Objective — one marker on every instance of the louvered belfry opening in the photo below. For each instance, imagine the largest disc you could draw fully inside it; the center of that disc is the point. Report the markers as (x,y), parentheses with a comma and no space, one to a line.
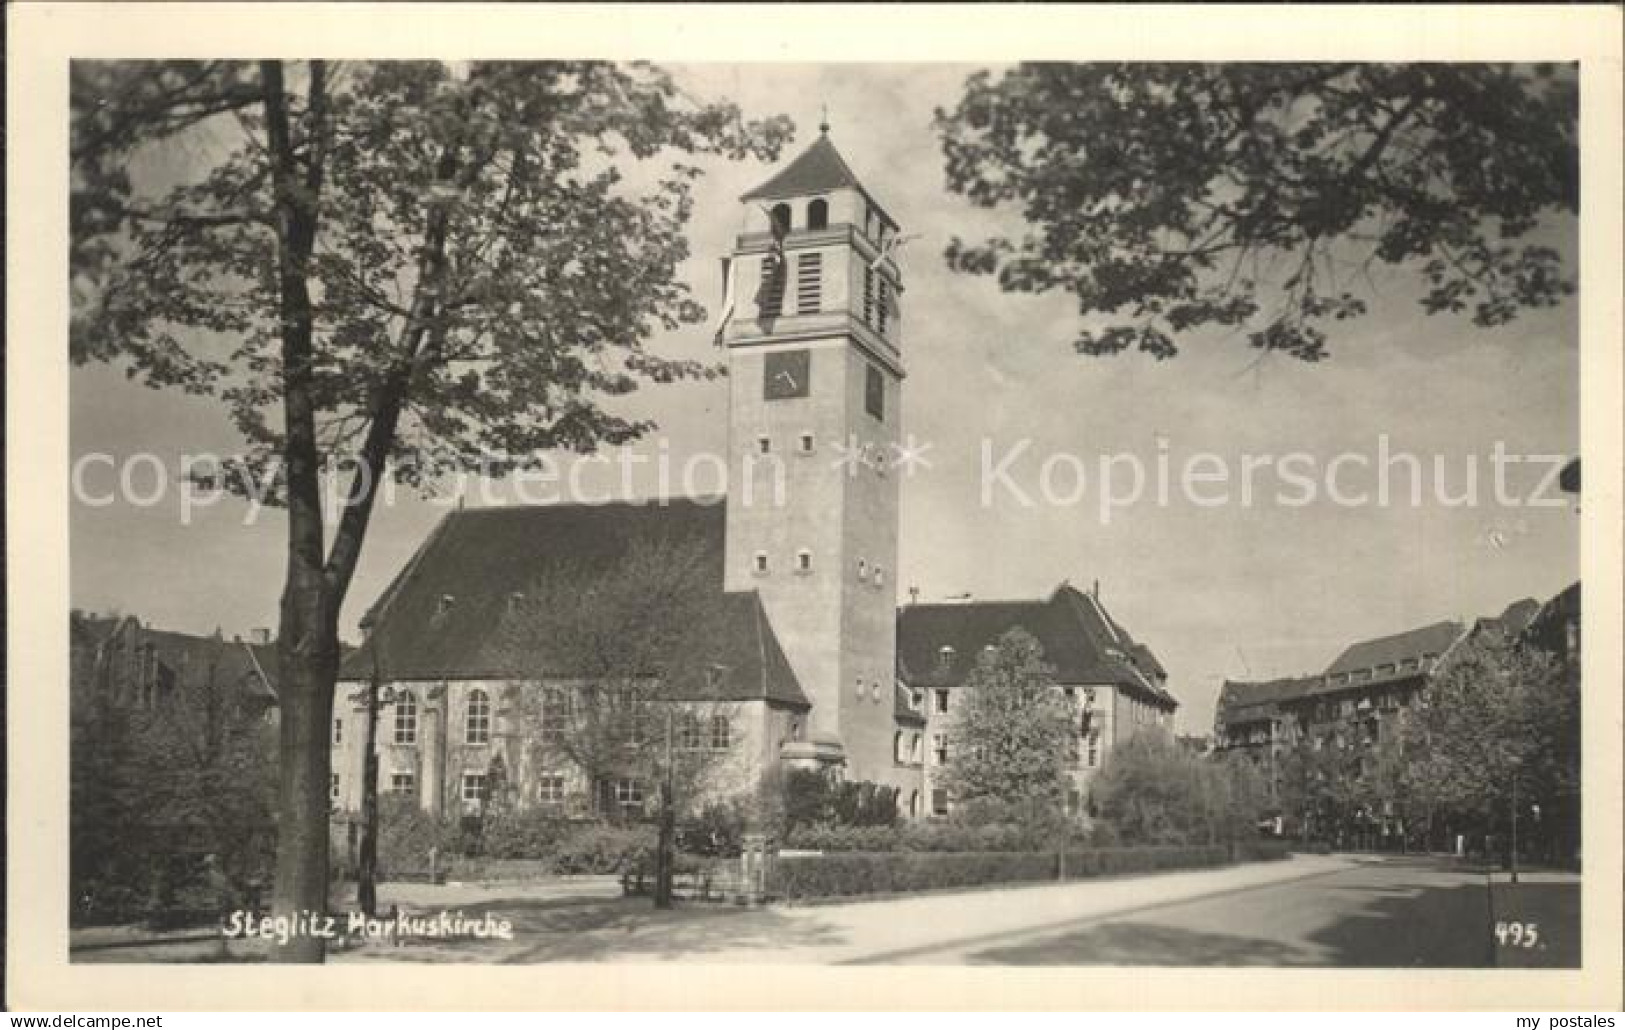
(809,283)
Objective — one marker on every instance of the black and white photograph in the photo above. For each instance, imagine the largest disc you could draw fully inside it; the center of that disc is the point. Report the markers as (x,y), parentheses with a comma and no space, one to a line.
(752,511)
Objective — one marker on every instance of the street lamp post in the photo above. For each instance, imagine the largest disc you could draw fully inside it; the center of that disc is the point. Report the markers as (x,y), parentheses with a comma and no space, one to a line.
(1514,863)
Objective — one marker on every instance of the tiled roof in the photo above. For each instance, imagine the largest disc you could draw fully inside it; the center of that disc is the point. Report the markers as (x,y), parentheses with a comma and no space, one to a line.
(818,168)
(478,559)
(205,661)
(1079,639)
(1510,623)
(1368,654)
(1248,701)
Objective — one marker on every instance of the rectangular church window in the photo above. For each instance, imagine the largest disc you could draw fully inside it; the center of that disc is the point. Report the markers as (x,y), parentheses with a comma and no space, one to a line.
(874,394)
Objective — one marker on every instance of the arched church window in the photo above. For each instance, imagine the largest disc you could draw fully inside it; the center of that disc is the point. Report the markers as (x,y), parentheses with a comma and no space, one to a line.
(818,214)
(477,726)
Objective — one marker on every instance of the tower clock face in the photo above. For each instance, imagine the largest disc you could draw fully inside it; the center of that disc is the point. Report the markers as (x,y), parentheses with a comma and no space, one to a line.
(786,374)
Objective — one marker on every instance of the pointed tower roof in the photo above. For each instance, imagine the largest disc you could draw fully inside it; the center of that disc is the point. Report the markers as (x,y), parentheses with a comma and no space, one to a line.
(819,168)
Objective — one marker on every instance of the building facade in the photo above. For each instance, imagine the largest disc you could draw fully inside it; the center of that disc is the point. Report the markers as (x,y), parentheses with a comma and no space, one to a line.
(1114,685)
(816,667)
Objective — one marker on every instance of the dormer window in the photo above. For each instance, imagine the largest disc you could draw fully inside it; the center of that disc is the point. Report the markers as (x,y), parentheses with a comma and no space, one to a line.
(445,604)
(818,214)
(945,655)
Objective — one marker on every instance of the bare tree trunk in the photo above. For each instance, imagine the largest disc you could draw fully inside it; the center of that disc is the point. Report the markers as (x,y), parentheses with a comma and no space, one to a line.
(307,644)
(302,837)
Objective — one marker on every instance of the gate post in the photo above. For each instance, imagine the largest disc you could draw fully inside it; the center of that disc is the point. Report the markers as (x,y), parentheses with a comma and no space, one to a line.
(756,856)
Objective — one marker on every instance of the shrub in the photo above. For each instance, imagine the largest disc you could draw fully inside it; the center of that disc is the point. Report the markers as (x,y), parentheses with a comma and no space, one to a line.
(603,849)
(522,833)
(866,873)
(1086,863)
(926,836)
(1263,850)
(716,831)
(849,873)
(406,834)
(814,798)
(844,838)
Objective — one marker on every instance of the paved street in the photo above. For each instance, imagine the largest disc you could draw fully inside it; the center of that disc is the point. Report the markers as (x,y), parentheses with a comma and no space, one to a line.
(1328,911)
(1390,912)
(1352,911)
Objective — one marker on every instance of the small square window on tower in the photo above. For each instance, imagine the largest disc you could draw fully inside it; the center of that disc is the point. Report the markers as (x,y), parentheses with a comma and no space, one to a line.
(803,561)
(806,443)
(863,570)
(761,563)
(764,445)
(879,576)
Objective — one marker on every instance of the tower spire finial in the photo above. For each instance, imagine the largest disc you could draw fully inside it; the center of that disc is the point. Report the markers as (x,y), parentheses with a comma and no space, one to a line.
(823,121)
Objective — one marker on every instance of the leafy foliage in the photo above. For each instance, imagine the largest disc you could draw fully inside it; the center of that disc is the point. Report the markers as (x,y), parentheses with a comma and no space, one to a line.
(478,251)
(171,806)
(818,799)
(397,267)
(716,831)
(1012,734)
(610,653)
(1153,791)
(1257,198)
(1500,713)
(407,835)
(852,873)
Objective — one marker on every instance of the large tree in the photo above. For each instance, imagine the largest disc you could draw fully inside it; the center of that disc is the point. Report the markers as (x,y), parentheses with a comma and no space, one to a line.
(1013,734)
(397,268)
(622,669)
(1498,727)
(1258,198)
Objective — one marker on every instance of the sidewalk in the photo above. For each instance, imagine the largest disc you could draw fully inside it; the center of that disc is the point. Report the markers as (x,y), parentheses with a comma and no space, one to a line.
(856,932)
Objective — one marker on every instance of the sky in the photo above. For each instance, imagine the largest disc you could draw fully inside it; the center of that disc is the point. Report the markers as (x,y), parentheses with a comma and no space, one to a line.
(1228,591)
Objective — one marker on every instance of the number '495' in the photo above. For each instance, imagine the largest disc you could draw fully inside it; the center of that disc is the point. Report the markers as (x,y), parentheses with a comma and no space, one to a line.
(1517,935)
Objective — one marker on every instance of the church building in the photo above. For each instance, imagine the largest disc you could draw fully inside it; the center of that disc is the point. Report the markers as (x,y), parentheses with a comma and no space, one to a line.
(817,667)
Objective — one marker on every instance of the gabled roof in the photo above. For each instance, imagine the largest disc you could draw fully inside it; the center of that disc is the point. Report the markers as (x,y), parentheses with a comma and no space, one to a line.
(204,661)
(817,169)
(1250,701)
(1367,654)
(1079,640)
(903,709)
(1510,623)
(439,618)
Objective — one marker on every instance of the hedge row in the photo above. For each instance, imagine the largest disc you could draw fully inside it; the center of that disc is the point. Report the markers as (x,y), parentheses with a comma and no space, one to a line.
(920,836)
(850,873)
(836,875)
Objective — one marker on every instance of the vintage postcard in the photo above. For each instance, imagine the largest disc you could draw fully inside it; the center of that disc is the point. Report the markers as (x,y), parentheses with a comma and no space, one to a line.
(509,503)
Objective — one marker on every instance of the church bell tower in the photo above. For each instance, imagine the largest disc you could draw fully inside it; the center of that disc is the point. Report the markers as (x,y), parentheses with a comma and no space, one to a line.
(815,412)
